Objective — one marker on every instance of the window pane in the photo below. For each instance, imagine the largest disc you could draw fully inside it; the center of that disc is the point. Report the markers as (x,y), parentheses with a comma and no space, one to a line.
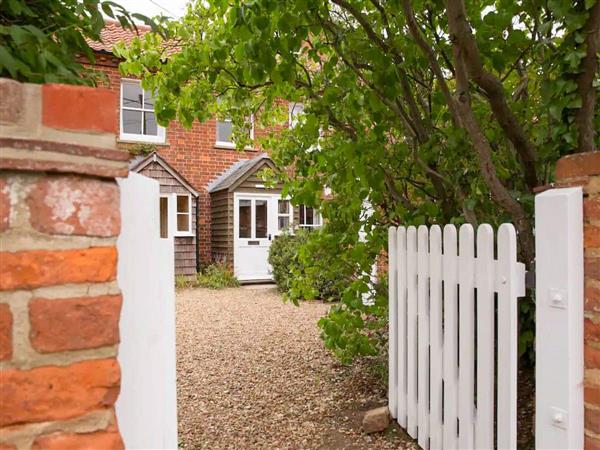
(132,95)
(295,110)
(284,206)
(132,122)
(164,217)
(245,218)
(284,222)
(261,219)
(224,131)
(183,204)
(302,215)
(183,222)
(150,127)
(310,216)
(148,100)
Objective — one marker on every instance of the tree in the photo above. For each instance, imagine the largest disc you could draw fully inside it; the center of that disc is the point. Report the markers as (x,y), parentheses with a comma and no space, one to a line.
(432,112)
(42,41)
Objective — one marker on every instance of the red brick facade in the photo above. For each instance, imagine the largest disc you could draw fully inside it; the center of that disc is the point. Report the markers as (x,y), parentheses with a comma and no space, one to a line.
(192,152)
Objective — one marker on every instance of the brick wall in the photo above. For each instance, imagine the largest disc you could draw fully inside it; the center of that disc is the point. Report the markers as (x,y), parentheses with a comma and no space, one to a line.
(59,300)
(583,169)
(191,152)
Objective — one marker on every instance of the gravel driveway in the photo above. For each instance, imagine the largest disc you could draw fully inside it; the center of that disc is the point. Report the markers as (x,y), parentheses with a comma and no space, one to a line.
(253,373)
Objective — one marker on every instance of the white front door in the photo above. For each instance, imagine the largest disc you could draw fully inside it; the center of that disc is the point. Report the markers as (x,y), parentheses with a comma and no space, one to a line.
(254,227)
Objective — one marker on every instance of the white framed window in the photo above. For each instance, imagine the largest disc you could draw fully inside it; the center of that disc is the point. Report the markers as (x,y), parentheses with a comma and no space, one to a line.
(138,120)
(295,109)
(225,132)
(309,217)
(285,214)
(176,215)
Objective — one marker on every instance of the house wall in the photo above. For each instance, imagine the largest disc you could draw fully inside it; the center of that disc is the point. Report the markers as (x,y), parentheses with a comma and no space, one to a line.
(222,226)
(191,152)
(185,247)
(60,302)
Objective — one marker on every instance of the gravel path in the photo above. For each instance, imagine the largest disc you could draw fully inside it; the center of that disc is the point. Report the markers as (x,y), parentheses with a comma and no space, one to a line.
(253,374)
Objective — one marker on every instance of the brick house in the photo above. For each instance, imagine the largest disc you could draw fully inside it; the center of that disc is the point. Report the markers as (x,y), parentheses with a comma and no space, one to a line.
(187,163)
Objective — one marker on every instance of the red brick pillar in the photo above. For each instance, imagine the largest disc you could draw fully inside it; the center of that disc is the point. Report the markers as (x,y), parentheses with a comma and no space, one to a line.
(583,169)
(59,299)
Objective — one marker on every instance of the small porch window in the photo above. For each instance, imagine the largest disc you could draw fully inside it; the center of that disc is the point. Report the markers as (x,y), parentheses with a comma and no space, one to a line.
(176,215)
(284,214)
(309,217)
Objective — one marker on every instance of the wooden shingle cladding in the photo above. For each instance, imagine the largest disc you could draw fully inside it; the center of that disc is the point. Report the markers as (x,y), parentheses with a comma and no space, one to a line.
(186,249)
(243,177)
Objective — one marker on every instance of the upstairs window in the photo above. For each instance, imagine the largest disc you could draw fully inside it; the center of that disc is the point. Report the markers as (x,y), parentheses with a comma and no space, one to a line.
(295,110)
(225,132)
(138,121)
(309,217)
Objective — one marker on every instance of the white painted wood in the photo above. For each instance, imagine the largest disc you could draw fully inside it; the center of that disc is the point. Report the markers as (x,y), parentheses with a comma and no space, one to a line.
(466,337)
(450,357)
(411,330)
(423,334)
(559,319)
(250,255)
(436,339)
(146,408)
(393,321)
(401,326)
(484,274)
(507,337)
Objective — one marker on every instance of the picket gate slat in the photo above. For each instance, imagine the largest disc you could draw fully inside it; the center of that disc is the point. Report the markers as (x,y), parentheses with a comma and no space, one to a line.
(423,334)
(411,328)
(436,338)
(484,427)
(507,337)
(466,337)
(401,325)
(393,324)
(450,357)
(443,318)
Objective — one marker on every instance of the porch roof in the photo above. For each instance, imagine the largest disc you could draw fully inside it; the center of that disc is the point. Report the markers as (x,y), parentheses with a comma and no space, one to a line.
(236,172)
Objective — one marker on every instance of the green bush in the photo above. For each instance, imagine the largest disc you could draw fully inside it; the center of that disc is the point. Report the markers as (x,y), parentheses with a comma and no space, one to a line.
(217,276)
(305,270)
(183,282)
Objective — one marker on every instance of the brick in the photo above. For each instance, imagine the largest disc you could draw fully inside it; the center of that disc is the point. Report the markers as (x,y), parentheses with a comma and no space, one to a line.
(7,447)
(11,106)
(6,322)
(58,393)
(591,330)
(591,357)
(78,108)
(74,205)
(578,165)
(592,420)
(64,166)
(75,323)
(592,298)
(591,443)
(4,205)
(591,208)
(28,269)
(101,440)
(591,267)
(591,236)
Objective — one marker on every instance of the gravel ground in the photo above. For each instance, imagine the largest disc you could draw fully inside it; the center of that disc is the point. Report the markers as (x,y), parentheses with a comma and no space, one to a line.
(253,374)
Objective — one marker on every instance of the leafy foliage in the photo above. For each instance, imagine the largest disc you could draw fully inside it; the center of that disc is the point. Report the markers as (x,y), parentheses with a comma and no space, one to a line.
(429,112)
(217,276)
(42,41)
(304,270)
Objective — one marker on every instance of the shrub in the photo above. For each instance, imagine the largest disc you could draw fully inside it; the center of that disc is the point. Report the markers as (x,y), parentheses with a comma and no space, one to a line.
(183,282)
(217,276)
(305,269)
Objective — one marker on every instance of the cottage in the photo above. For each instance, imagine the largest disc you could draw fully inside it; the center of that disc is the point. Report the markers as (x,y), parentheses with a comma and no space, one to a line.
(213,202)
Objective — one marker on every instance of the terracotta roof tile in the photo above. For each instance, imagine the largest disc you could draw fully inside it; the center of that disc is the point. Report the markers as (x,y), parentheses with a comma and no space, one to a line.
(112,33)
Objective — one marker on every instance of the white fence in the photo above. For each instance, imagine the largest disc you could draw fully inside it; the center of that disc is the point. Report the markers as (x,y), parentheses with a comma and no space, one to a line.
(445,298)
(147,407)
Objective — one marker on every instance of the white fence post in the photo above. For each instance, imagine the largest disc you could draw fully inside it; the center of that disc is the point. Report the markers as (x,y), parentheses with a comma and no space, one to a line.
(559,319)
(147,405)
(393,322)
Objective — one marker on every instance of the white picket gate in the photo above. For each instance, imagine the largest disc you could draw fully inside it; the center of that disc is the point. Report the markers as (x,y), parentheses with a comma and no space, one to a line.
(446,296)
